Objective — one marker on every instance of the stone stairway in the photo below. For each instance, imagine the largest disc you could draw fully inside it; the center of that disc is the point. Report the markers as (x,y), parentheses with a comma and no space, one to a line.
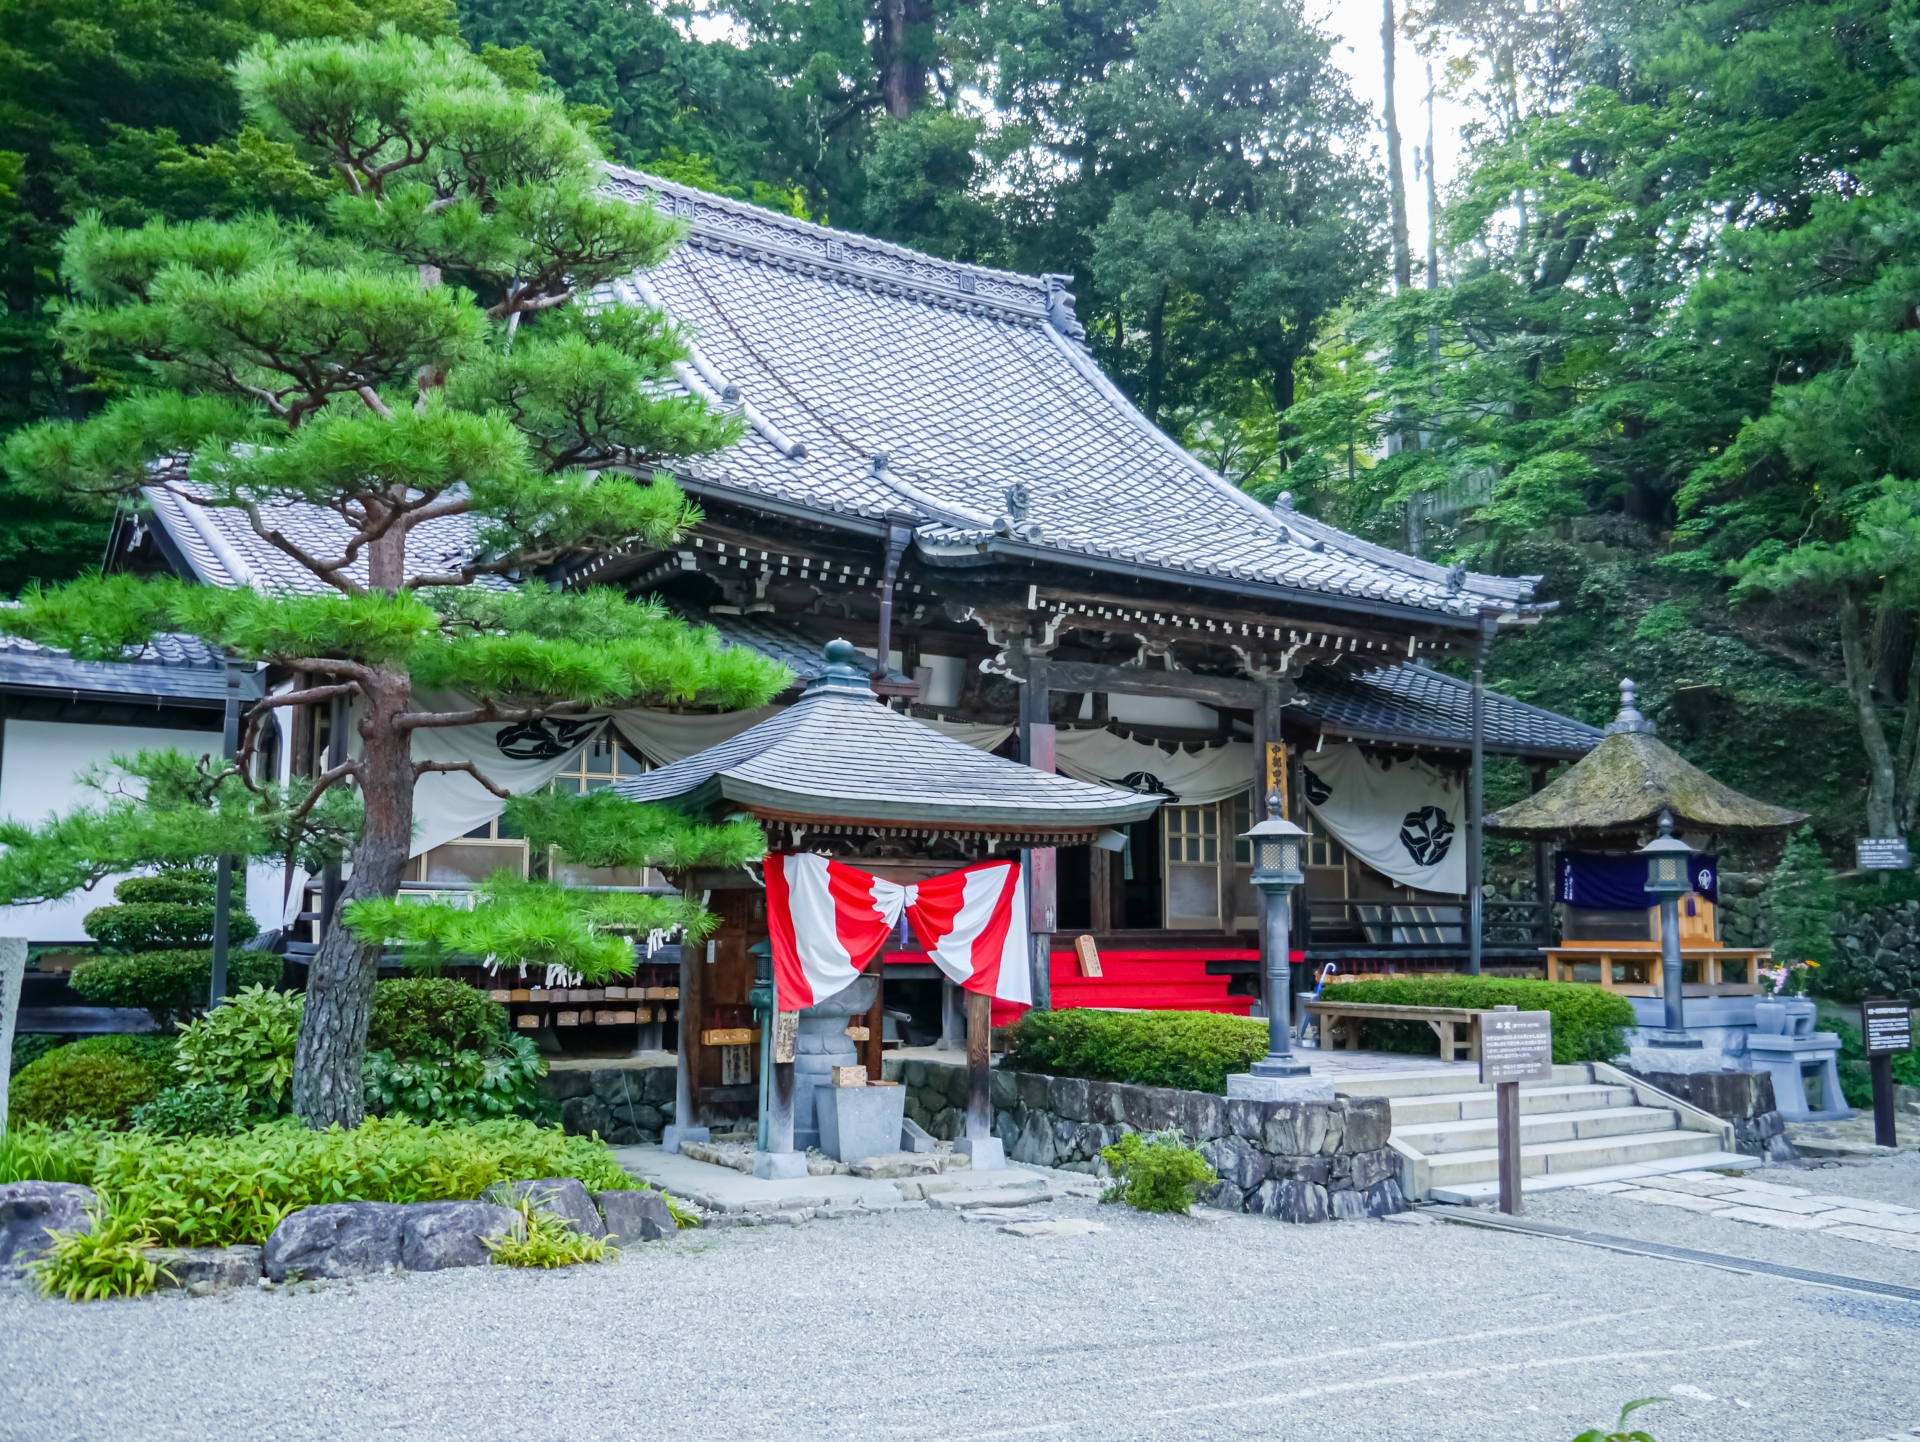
(1590,1123)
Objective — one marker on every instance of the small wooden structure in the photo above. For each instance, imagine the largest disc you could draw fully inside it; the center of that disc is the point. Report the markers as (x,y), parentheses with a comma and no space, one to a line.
(1457,1027)
(1611,800)
(840,773)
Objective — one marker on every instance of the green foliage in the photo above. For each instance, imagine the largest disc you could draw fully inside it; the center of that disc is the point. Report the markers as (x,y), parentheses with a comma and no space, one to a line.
(100,1080)
(1191,1050)
(104,1260)
(218,1191)
(1589,1024)
(413,1016)
(446,1085)
(34,1151)
(602,828)
(201,1109)
(1856,1074)
(1619,1432)
(171,985)
(1804,901)
(546,1240)
(29,1047)
(1156,1173)
(246,1046)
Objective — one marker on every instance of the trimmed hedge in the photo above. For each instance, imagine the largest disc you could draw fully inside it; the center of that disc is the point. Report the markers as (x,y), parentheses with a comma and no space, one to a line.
(1190,1050)
(169,984)
(99,1080)
(1589,1024)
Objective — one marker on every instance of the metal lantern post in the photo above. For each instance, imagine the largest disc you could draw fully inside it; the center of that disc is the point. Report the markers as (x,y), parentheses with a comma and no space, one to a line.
(1668,859)
(1276,871)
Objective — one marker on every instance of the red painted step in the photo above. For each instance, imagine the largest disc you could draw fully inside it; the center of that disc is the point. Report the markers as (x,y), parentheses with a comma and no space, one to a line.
(1142,980)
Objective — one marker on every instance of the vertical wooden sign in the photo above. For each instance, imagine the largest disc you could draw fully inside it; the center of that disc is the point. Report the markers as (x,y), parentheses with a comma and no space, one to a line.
(1276,777)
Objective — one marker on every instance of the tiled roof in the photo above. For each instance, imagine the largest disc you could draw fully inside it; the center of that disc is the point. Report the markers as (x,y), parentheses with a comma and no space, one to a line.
(838,754)
(877,380)
(800,653)
(172,667)
(1413,703)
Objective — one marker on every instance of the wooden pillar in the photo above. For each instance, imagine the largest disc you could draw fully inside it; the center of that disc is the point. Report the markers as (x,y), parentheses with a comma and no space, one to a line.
(876,1020)
(952,1021)
(1100,890)
(979,1045)
(1542,878)
(1036,750)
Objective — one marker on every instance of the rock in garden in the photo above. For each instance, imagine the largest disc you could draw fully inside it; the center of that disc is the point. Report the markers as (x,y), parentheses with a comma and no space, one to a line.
(1348,1205)
(1384,1199)
(336,1239)
(29,1210)
(562,1197)
(202,1270)
(437,1235)
(635,1216)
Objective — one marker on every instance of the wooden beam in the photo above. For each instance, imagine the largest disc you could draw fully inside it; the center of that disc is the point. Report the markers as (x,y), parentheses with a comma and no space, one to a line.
(1231,691)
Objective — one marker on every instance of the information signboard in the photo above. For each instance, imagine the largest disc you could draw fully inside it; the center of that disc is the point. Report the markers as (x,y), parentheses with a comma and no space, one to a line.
(1881,853)
(1887,1026)
(1516,1046)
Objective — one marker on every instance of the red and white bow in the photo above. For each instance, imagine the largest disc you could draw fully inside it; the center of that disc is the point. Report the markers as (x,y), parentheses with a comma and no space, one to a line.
(828,920)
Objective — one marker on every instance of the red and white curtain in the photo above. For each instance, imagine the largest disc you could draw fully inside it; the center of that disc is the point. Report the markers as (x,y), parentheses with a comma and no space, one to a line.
(828,920)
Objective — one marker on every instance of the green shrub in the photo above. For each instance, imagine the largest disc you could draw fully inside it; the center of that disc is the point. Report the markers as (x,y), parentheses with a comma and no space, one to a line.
(36,1152)
(1589,1024)
(97,1085)
(1192,1050)
(201,1110)
(419,1016)
(546,1240)
(30,1046)
(246,1046)
(217,1191)
(1856,1074)
(460,1086)
(106,1260)
(1155,1173)
(187,886)
(153,925)
(169,985)
(1803,898)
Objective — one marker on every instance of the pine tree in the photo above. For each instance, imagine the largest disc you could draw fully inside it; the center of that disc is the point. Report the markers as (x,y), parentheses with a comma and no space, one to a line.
(1803,899)
(429,352)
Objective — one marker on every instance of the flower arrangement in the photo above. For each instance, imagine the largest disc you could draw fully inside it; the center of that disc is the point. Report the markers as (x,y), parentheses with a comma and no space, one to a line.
(1785,979)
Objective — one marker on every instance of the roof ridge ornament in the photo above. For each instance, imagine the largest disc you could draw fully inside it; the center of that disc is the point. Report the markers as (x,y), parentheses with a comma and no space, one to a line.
(1630,721)
(843,673)
(1015,524)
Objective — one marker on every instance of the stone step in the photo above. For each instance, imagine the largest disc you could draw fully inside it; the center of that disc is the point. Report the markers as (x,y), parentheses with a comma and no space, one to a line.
(996,1197)
(1443,1138)
(1452,1169)
(1440,1082)
(1472,1193)
(1466,1106)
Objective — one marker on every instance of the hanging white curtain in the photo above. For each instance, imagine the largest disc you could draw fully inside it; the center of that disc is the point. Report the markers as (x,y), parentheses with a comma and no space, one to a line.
(970,733)
(1197,777)
(520,757)
(1403,818)
(663,737)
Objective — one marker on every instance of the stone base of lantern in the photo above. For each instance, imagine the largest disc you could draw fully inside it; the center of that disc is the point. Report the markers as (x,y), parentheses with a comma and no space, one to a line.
(779,1166)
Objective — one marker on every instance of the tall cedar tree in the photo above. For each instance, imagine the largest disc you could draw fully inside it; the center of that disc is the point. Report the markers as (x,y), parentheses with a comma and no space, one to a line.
(427,354)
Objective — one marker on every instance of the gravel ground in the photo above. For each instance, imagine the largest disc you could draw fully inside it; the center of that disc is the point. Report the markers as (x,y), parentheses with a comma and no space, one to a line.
(1894,1179)
(920,1325)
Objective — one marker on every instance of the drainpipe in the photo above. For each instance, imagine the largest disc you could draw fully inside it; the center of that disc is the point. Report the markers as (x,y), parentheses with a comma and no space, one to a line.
(899,536)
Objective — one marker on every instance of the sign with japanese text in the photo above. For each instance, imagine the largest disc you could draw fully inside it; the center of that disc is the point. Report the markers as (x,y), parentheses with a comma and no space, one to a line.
(1516,1046)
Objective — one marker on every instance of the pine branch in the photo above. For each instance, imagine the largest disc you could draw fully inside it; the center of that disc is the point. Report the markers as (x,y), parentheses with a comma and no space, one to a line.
(422,768)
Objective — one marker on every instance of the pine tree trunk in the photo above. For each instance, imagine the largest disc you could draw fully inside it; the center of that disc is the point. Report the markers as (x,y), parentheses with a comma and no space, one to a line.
(1909,768)
(1882,790)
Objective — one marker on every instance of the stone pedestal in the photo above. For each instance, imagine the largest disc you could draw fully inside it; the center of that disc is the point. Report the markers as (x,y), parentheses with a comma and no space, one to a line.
(823,1045)
(1787,1059)
(672,1136)
(1680,1061)
(987,1152)
(1243,1086)
(859,1122)
(779,1166)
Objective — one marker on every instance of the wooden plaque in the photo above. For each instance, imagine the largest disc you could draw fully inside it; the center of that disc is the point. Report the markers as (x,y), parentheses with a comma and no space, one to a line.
(786,1035)
(1088,954)
(727,1036)
(1516,1046)
(1276,777)
(1887,1026)
(849,1076)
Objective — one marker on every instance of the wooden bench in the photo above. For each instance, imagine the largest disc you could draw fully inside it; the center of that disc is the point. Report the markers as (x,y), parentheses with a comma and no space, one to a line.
(1330,1011)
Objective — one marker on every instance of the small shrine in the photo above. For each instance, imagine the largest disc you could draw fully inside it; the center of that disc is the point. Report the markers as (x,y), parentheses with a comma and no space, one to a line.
(1600,813)
(878,828)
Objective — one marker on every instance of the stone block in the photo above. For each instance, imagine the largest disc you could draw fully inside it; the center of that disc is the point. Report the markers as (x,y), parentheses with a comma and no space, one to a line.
(1035,1144)
(30,1210)
(1295,1129)
(1374,1167)
(1006,1128)
(658,1085)
(1064,1135)
(1152,1109)
(1347,1206)
(914,1074)
(584,1116)
(204,1270)
(1384,1199)
(1224,1195)
(1088,1139)
(1336,1122)
(1033,1088)
(638,1215)
(779,1166)
(1205,1116)
(1235,1160)
(336,1239)
(438,1235)
(1247,1118)
(955,1079)
(1067,1097)
(559,1086)
(914,1137)
(859,1122)
(1292,1201)
(562,1197)
(1104,1104)
(1244,1086)
(1002,1090)
(1369,1122)
(1300,1169)
(985,1153)
(948,1123)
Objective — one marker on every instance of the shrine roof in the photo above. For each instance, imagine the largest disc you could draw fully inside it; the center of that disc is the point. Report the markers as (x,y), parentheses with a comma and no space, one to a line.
(1410,702)
(171,669)
(839,755)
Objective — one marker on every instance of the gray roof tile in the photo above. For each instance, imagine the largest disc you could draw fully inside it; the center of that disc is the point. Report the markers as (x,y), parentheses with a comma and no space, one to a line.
(1414,703)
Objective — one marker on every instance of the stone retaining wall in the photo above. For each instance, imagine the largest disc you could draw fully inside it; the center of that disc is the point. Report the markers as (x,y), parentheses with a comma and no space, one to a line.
(624,1105)
(1300,1161)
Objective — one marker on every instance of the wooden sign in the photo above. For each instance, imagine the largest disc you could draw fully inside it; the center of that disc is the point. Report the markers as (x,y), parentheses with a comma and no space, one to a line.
(1887,1026)
(727,1036)
(1088,954)
(786,1035)
(1276,778)
(849,1076)
(1516,1046)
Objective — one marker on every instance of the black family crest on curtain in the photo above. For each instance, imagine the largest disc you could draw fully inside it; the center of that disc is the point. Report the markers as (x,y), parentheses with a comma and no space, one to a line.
(1317,790)
(1427,835)
(1143,783)
(542,740)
